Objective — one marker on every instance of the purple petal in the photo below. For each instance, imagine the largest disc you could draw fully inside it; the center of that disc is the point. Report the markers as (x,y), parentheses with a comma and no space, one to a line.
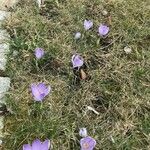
(39,53)
(36,145)
(45,145)
(77,35)
(87,143)
(88,24)
(77,61)
(103,30)
(36,93)
(43,89)
(40,91)
(27,147)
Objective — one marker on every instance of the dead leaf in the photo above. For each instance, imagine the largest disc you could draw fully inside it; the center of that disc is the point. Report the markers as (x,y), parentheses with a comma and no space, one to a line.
(83,74)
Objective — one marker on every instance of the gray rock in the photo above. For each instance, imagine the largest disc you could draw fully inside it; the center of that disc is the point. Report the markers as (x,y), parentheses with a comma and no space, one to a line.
(3,51)
(3,62)
(4,36)
(4,86)
(6,4)
(4,48)
(4,15)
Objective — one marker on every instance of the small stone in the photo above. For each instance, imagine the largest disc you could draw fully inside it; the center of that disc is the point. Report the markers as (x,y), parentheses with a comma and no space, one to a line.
(104,13)
(77,35)
(127,50)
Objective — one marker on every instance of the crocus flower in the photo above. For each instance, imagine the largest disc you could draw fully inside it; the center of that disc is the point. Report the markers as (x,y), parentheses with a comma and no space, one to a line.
(83,132)
(37,145)
(39,53)
(88,24)
(103,30)
(77,35)
(87,143)
(77,61)
(39,91)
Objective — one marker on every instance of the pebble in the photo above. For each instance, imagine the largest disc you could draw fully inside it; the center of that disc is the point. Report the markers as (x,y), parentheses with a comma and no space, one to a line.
(127,50)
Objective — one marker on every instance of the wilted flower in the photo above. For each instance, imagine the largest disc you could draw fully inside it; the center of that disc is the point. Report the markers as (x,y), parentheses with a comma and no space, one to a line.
(77,35)
(103,30)
(77,61)
(39,53)
(127,50)
(37,145)
(39,91)
(83,132)
(88,24)
(87,143)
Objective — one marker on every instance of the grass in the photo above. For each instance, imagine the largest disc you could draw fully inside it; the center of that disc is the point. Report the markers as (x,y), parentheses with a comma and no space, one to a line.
(118,84)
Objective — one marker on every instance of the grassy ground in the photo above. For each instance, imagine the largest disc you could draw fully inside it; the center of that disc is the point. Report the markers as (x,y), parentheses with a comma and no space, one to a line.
(118,84)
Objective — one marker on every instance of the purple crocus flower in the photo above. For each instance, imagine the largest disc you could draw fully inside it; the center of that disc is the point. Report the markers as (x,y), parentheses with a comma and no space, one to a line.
(103,30)
(37,145)
(88,24)
(39,53)
(39,91)
(87,143)
(77,35)
(77,61)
